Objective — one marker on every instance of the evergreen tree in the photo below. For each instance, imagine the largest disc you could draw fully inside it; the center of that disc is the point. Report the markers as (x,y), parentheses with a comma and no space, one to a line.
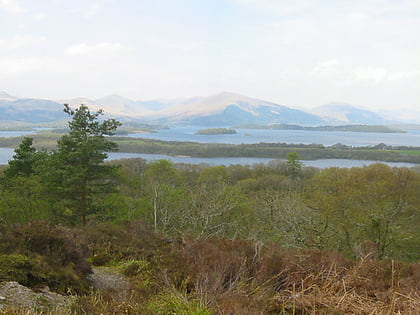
(23,161)
(80,174)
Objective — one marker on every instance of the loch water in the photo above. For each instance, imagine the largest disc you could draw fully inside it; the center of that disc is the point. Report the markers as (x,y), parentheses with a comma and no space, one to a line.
(187,133)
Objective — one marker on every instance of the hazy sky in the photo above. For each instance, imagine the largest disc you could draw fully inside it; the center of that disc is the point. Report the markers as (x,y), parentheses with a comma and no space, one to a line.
(295,52)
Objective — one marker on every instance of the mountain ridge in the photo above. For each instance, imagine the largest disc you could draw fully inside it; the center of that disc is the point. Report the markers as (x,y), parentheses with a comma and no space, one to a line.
(348,113)
(221,109)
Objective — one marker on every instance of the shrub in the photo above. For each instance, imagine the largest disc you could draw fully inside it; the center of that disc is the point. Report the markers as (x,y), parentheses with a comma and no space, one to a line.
(108,242)
(27,271)
(173,302)
(40,254)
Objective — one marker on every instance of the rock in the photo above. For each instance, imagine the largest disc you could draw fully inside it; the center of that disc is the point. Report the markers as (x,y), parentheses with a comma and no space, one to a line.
(16,295)
(106,278)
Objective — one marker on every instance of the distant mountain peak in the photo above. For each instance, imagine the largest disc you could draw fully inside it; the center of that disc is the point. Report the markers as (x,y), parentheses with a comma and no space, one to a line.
(229,94)
(339,105)
(227,108)
(347,113)
(114,98)
(225,95)
(221,109)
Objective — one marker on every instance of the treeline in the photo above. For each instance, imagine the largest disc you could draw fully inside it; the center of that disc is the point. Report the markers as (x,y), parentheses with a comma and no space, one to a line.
(354,211)
(379,152)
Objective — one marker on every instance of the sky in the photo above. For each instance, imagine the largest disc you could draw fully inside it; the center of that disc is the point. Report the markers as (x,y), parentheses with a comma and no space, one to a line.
(299,53)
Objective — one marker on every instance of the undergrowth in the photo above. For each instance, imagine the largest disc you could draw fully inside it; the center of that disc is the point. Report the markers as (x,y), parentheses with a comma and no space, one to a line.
(211,276)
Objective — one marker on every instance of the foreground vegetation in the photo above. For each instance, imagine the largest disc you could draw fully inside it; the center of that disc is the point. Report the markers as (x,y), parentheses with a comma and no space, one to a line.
(221,240)
(204,276)
(189,239)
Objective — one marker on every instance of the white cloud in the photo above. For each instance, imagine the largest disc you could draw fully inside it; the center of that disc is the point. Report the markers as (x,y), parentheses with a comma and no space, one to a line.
(333,70)
(99,48)
(19,66)
(326,68)
(11,6)
(91,10)
(370,74)
(356,51)
(378,75)
(20,41)
(177,45)
(39,16)
(404,75)
(276,6)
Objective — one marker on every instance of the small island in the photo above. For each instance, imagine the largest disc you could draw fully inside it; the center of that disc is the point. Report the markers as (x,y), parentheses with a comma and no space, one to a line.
(216,131)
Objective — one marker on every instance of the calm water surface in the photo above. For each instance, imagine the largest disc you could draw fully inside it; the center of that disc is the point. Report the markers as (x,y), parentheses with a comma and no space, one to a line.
(7,153)
(186,133)
(10,134)
(325,163)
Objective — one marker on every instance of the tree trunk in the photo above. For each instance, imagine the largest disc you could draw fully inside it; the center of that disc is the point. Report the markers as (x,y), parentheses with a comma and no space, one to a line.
(155,207)
(83,206)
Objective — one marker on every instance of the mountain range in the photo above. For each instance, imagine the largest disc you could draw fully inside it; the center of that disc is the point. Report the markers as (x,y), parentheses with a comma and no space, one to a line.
(29,110)
(223,109)
(337,113)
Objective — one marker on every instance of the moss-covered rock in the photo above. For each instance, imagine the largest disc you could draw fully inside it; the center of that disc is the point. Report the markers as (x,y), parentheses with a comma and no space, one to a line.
(16,296)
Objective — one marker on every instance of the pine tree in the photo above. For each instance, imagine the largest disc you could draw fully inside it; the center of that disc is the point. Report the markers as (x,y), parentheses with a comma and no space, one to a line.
(81,175)
(23,161)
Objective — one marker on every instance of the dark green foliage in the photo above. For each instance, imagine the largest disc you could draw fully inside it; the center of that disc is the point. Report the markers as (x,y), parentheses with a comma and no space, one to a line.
(79,175)
(64,186)
(23,200)
(27,271)
(38,254)
(23,161)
